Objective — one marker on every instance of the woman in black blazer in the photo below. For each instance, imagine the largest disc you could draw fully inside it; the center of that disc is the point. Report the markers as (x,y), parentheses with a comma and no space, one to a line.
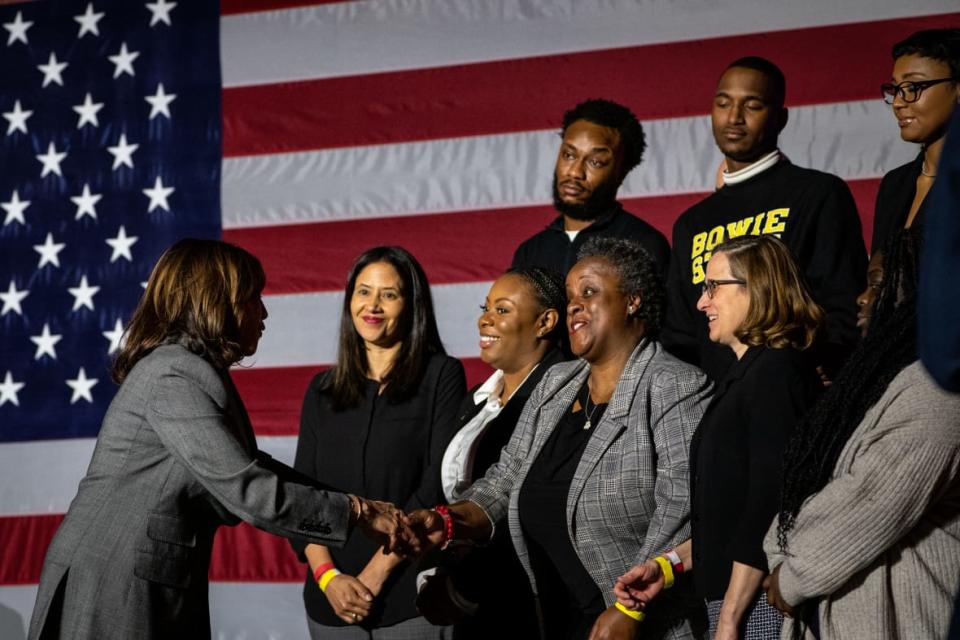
(520,325)
(757,304)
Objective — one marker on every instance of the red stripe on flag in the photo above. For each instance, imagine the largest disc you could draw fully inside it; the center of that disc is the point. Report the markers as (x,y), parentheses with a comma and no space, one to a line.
(477,245)
(25,541)
(273,396)
(229,7)
(240,553)
(657,81)
(246,554)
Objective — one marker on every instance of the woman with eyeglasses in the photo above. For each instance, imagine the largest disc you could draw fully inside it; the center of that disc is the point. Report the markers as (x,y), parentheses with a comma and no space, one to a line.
(923,91)
(757,304)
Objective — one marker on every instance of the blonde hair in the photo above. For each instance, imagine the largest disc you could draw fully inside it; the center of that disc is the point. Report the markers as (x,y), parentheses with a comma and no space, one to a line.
(196,295)
(782,312)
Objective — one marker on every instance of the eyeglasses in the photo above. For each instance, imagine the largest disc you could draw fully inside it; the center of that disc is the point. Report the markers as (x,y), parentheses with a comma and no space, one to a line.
(909,91)
(710,286)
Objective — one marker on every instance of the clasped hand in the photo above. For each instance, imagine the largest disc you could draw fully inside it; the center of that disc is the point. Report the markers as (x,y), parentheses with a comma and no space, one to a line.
(401,536)
(407,534)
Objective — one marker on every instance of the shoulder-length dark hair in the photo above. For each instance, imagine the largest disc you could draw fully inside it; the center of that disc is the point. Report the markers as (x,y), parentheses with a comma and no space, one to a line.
(418,328)
(195,294)
(782,312)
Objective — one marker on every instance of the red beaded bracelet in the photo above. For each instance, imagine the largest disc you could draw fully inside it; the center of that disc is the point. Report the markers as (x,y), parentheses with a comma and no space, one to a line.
(322,569)
(444,512)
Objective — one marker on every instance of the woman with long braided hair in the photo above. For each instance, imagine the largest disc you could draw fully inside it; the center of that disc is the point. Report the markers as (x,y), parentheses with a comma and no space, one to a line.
(866,541)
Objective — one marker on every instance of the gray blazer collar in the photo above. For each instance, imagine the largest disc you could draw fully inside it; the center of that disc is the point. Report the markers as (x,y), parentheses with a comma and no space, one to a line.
(614,420)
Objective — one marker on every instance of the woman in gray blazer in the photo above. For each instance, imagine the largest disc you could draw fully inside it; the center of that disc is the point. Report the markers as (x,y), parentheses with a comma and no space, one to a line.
(595,476)
(176,458)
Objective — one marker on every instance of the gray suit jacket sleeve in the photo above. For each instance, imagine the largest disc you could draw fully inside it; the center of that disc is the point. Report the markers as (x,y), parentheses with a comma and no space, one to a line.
(187,409)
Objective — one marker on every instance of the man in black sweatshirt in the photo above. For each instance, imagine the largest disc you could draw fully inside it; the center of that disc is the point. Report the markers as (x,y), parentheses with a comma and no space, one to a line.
(764,193)
(602,142)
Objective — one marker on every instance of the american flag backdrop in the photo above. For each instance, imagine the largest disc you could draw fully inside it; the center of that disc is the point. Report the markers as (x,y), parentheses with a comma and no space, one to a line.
(308,132)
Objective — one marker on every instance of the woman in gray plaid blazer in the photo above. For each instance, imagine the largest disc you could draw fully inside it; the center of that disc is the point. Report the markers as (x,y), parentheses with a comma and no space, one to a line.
(602,446)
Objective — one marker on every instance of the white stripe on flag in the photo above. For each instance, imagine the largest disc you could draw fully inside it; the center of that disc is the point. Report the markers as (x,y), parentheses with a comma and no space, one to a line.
(238,611)
(46,472)
(353,38)
(851,139)
(302,328)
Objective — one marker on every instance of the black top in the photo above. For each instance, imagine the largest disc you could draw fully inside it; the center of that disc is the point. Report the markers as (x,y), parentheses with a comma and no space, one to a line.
(736,456)
(813,213)
(897,190)
(553,249)
(543,509)
(498,431)
(492,575)
(383,451)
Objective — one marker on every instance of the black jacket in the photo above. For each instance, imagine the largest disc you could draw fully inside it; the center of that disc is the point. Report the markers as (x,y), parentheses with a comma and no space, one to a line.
(815,216)
(897,190)
(492,576)
(382,450)
(735,461)
(552,248)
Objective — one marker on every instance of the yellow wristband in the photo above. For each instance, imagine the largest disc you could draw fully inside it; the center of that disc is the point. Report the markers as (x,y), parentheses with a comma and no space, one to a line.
(325,579)
(636,615)
(667,568)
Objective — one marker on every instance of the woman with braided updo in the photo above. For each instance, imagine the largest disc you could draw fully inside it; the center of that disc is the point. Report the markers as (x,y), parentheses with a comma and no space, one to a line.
(520,333)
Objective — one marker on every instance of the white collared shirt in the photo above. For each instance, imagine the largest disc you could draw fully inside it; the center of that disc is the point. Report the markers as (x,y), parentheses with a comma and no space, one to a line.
(456,469)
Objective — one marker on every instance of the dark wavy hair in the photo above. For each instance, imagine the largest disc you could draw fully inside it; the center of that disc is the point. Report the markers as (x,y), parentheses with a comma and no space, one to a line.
(195,295)
(942,45)
(418,326)
(637,275)
(548,288)
(782,312)
(607,113)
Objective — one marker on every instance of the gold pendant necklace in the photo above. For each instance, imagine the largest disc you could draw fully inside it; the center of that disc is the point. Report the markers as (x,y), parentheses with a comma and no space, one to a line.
(586,409)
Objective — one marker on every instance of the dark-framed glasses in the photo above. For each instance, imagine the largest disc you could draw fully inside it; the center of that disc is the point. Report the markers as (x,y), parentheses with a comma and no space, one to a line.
(909,91)
(710,286)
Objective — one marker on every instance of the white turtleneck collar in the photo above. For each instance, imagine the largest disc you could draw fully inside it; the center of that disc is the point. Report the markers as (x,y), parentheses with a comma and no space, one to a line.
(758,167)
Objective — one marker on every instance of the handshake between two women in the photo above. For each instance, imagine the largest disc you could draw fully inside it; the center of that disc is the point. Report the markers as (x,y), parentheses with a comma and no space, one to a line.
(410,534)
(415,533)
(402,536)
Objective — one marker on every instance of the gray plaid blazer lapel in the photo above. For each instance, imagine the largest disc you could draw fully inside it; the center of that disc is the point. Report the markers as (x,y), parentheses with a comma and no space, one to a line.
(612,424)
(553,407)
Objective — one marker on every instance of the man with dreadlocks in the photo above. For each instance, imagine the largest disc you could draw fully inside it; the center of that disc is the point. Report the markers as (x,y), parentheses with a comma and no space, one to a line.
(867,541)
